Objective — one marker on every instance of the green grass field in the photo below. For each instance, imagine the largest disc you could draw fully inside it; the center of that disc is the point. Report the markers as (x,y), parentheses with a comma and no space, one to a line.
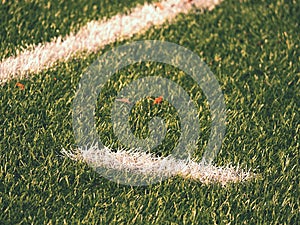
(253,50)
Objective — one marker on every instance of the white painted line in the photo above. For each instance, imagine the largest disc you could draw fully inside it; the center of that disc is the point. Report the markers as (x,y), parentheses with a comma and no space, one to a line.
(147,164)
(95,35)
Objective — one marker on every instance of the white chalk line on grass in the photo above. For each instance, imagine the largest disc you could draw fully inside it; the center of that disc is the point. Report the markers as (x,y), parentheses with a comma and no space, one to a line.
(147,164)
(95,35)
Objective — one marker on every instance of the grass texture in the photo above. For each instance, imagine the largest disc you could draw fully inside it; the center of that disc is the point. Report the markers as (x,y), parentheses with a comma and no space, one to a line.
(253,50)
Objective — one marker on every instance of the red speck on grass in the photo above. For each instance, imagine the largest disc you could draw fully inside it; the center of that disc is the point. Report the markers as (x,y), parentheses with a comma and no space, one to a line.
(20,86)
(159,5)
(158,100)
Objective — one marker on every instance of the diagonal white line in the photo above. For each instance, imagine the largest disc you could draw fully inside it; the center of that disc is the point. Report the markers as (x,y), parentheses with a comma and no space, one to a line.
(95,35)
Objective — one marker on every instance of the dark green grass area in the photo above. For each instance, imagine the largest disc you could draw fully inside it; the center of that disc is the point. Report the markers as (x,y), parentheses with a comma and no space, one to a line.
(253,50)
(146,109)
(31,22)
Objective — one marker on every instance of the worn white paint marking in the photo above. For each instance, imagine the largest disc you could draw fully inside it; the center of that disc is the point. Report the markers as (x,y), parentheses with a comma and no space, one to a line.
(95,35)
(147,164)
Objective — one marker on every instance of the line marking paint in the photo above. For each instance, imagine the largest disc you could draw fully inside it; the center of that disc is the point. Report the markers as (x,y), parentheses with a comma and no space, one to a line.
(95,35)
(143,163)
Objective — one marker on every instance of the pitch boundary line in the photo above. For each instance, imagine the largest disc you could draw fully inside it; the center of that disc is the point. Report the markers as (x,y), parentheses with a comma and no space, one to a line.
(147,164)
(95,35)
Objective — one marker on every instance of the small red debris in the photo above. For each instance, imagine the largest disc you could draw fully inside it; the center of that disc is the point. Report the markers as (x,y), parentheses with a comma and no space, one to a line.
(20,86)
(158,100)
(159,5)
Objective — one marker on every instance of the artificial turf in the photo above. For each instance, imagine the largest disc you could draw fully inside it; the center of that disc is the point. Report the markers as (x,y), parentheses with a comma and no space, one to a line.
(253,50)
(25,23)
